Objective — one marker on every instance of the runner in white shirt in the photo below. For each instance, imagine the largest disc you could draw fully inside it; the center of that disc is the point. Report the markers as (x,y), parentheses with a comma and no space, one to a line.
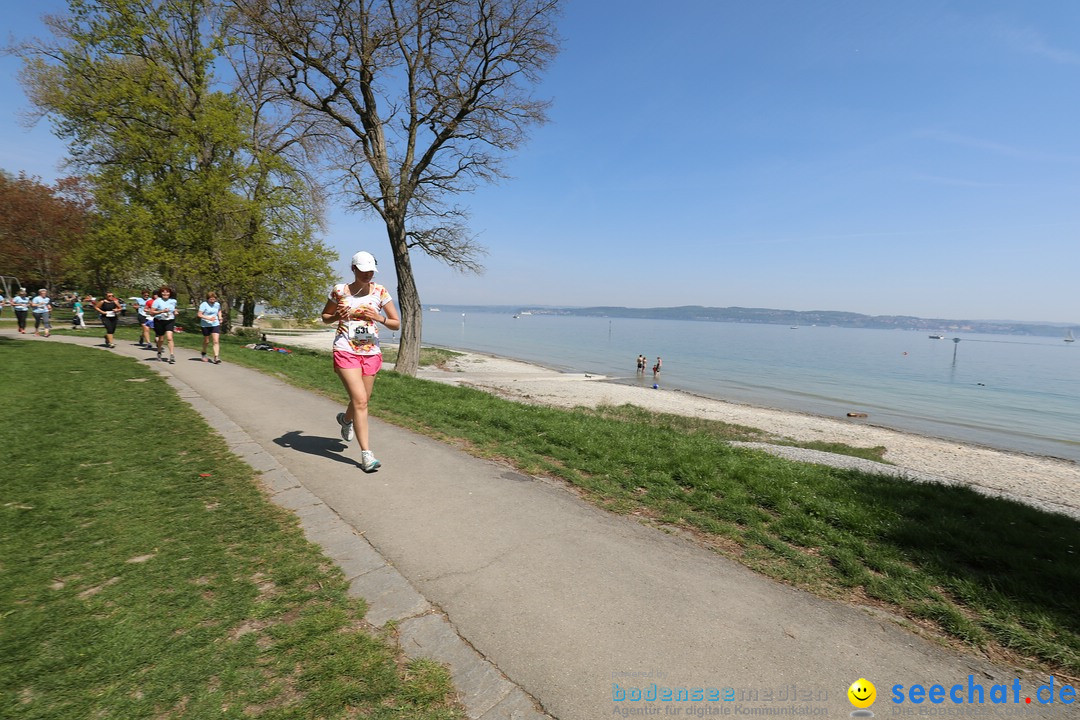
(358,308)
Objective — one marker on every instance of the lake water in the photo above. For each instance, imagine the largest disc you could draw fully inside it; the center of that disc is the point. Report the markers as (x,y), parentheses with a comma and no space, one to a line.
(1010,392)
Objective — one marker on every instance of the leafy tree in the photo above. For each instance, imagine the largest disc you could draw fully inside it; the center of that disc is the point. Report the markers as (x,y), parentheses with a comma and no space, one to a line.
(41,229)
(184,187)
(293,276)
(418,101)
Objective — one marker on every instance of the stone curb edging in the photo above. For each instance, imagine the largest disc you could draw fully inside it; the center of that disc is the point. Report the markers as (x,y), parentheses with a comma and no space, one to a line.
(424,631)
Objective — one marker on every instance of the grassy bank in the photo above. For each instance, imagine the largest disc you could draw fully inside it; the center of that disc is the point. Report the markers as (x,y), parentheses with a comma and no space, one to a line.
(989,572)
(145,575)
(986,572)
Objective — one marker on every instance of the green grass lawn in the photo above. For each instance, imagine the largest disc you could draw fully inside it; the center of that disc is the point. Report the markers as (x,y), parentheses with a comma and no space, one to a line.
(143,574)
(985,572)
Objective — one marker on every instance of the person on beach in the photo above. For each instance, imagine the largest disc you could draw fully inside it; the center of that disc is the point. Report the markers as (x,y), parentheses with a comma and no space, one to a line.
(210,323)
(77,321)
(42,308)
(145,321)
(108,308)
(163,310)
(656,368)
(359,308)
(640,363)
(21,303)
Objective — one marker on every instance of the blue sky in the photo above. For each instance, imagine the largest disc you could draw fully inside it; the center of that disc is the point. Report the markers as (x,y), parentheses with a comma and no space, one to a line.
(885,158)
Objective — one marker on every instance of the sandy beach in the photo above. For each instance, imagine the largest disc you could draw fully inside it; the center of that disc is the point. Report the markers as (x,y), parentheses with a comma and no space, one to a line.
(1044,482)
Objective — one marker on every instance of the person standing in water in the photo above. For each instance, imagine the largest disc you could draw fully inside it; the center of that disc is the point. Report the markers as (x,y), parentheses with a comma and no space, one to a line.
(359,308)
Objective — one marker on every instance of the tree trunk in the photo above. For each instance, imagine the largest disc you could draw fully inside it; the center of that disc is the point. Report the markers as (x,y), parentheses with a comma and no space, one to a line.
(408,303)
(226,312)
(248,309)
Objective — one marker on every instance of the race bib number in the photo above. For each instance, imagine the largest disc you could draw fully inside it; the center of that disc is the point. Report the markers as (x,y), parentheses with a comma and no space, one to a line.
(364,334)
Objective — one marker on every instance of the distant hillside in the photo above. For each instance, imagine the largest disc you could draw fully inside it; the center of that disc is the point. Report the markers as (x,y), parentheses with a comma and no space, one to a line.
(794,317)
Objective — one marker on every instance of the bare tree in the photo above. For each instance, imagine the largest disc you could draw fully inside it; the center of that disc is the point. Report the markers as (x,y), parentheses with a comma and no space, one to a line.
(421,100)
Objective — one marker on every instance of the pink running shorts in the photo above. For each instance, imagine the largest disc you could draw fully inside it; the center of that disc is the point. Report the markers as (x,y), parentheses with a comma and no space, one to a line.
(368,364)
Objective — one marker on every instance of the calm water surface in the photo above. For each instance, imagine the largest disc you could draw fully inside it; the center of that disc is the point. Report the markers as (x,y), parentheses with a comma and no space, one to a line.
(1010,392)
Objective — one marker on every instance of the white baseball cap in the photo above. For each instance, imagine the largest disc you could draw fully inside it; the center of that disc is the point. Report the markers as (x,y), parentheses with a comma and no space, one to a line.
(364,262)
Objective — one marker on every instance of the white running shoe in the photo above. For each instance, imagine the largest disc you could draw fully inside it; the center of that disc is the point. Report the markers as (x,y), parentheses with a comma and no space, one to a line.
(368,463)
(347,431)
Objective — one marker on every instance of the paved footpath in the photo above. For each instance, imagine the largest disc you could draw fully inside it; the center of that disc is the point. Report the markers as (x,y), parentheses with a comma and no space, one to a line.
(545,605)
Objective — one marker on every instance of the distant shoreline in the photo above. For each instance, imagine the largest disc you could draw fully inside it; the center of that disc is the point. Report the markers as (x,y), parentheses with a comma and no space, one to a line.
(802,318)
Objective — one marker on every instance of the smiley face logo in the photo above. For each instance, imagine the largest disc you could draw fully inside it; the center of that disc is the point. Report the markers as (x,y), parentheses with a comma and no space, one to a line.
(862,693)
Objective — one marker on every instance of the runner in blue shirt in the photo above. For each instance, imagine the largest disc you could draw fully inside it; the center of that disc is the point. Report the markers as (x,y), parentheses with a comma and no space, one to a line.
(21,303)
(210,321)
(42,307)
(163,311)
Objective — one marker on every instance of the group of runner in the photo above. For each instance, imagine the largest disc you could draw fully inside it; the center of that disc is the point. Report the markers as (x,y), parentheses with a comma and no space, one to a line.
(157,312)
(357,308)
(39,305)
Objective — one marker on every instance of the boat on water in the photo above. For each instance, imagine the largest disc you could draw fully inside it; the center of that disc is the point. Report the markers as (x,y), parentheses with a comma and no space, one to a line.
(434,310)
(1069,336)
(937,337)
